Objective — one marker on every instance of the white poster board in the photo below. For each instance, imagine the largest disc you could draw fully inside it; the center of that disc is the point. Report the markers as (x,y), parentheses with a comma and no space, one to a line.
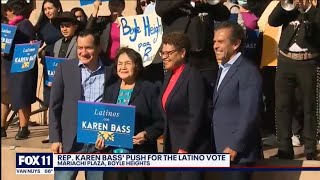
(142,33)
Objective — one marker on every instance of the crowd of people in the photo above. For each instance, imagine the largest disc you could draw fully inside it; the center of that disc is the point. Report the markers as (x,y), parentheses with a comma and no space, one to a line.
(203,92)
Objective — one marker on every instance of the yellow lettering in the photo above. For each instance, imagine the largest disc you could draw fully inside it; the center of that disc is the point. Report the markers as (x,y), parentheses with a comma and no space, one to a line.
(25,65)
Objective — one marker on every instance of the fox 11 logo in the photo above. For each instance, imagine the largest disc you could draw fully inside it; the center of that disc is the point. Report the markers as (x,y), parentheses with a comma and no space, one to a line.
(34,163)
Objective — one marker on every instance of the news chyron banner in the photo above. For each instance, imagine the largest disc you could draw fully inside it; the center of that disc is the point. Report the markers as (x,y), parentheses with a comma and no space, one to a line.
(51,64)
(7,35)
(143,33)
(24,57)
(112,122)
(34,163)
(46,163)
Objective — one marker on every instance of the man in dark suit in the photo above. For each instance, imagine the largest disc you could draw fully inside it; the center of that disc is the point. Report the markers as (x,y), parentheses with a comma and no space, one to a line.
(299,56)
(74,80)
(237,101)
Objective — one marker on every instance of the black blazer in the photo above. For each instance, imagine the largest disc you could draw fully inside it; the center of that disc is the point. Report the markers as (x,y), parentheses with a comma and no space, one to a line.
(148,118)
(65,93)
(186,124)
(308,32)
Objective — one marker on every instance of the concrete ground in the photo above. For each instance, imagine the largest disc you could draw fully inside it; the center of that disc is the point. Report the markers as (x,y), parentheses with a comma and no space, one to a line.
(10,146)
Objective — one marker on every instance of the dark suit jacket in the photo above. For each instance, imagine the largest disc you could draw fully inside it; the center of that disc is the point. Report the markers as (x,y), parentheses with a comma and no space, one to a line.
(237,109)
(65,94)
(308,32)
(186,125)
(148,118)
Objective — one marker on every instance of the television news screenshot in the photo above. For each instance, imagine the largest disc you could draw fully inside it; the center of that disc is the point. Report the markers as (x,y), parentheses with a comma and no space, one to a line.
(160,89)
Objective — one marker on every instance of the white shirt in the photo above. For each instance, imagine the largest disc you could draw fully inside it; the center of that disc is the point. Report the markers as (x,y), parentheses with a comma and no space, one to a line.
(225,67)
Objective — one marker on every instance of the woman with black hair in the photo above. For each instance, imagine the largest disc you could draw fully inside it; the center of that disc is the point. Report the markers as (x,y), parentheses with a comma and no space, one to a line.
(21,86)
(81,16)
(48,33)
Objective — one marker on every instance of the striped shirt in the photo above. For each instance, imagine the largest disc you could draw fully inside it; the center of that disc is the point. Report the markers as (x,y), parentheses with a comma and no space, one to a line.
(92,83)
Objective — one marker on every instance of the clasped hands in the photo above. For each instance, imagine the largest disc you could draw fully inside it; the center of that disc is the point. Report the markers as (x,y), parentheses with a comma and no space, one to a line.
(138,139)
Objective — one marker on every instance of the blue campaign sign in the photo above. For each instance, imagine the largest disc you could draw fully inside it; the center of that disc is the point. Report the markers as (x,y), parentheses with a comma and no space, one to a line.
(252,40)
(51,64)
(7,34)
(86,2)
(114,123)
(24,57)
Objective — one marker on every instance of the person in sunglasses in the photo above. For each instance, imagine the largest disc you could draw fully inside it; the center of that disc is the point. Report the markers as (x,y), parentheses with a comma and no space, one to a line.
(81,16)
(145,7)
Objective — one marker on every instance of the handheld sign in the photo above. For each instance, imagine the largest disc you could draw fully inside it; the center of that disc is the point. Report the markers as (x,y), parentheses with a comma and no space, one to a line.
(114,123)
(51,64)
(24,57)
(87,2)
(142,33)
(7,34)
(252,48)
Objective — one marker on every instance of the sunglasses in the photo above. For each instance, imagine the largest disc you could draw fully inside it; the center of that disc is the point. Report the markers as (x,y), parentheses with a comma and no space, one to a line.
(143,3)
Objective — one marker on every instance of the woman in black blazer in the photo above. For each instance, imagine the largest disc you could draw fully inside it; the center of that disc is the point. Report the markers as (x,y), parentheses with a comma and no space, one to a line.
(21,86)
(131,90)
(183,104)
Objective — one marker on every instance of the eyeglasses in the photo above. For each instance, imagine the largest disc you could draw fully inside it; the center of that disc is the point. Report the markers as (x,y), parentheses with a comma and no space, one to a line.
(166,54)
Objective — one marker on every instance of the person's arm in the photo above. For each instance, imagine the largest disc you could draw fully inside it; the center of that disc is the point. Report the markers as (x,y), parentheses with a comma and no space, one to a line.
(166,7)
(55,108)
(95,22)
(235,9)
(197,100)
(279,16)
(315,18)
(219,11)
(250,99)
(55,49)
(154,131)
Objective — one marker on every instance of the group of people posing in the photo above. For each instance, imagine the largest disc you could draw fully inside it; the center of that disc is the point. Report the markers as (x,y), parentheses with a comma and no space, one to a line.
(197,105)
